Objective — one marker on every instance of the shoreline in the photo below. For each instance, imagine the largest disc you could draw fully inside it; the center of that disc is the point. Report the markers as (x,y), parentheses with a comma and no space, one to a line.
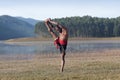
(37,39)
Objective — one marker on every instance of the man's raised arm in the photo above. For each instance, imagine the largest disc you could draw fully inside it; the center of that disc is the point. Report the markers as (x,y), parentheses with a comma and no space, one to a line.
(56,23)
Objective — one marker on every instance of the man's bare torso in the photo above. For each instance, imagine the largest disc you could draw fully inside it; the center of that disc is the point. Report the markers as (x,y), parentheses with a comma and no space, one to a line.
(64,34)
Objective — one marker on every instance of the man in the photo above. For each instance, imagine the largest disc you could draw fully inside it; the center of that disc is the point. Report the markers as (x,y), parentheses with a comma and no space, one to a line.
(61,40)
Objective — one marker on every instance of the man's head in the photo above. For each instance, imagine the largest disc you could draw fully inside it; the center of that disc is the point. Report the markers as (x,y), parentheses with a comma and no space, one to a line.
(58,29)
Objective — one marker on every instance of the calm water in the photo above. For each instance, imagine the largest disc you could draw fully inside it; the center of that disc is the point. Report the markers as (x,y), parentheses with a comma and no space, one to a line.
(48,47)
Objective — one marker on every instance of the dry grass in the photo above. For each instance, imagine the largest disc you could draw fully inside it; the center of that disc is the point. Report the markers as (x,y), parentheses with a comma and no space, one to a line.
(103,65)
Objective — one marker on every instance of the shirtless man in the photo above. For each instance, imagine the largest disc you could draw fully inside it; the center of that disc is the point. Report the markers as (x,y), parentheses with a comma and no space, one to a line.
(61,40)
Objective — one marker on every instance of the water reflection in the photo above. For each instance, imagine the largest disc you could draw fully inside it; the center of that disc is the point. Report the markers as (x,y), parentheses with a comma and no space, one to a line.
(48,47)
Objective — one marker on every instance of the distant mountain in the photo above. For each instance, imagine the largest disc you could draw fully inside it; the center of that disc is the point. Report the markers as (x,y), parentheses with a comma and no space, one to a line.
(29,20)
(12,27)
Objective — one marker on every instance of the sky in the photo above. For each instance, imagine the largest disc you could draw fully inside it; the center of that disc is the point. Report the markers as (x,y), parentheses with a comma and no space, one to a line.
(42,9)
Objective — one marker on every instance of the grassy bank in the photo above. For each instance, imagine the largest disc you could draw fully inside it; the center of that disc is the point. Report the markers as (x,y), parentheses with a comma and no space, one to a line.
(104,65)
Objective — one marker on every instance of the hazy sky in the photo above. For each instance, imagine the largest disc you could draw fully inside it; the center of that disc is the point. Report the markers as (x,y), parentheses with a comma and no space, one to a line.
(42,9)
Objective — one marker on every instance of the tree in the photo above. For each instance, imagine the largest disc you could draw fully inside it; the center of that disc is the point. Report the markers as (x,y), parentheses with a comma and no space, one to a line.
(86,26)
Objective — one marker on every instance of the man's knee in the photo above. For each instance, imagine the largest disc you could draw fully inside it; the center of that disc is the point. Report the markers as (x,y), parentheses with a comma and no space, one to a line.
(63,54)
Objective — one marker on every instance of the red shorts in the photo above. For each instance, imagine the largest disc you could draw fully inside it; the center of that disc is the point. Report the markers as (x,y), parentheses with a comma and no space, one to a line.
(58,43)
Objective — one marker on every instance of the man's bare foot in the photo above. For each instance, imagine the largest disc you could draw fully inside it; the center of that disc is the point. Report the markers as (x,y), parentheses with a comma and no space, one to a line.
(61,70)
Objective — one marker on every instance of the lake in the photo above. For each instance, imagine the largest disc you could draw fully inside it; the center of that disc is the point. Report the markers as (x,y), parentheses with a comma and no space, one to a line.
(48,47)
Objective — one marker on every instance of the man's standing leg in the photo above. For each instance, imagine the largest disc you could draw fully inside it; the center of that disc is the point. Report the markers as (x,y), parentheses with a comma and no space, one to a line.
(63,53)
(62,61)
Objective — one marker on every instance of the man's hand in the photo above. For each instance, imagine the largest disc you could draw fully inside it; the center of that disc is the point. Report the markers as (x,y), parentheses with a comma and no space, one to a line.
(49,19)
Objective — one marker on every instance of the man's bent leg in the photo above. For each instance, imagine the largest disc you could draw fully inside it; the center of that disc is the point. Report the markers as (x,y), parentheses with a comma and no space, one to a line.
(53,35)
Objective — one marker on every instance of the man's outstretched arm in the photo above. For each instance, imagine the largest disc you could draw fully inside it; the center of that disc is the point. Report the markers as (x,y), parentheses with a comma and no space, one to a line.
(56,23)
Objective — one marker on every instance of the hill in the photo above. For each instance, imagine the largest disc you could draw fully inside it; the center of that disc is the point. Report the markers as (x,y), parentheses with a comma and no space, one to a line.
(29,20)
(11,27)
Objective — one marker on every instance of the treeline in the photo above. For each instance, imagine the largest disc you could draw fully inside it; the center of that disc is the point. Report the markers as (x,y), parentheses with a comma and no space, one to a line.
(85,26)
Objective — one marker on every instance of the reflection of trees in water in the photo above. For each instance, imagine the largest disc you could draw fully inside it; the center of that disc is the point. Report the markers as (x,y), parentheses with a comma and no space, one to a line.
(48,47)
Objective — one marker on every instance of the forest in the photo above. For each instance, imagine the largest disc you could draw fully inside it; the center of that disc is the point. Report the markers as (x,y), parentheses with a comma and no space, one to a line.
(85,26)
